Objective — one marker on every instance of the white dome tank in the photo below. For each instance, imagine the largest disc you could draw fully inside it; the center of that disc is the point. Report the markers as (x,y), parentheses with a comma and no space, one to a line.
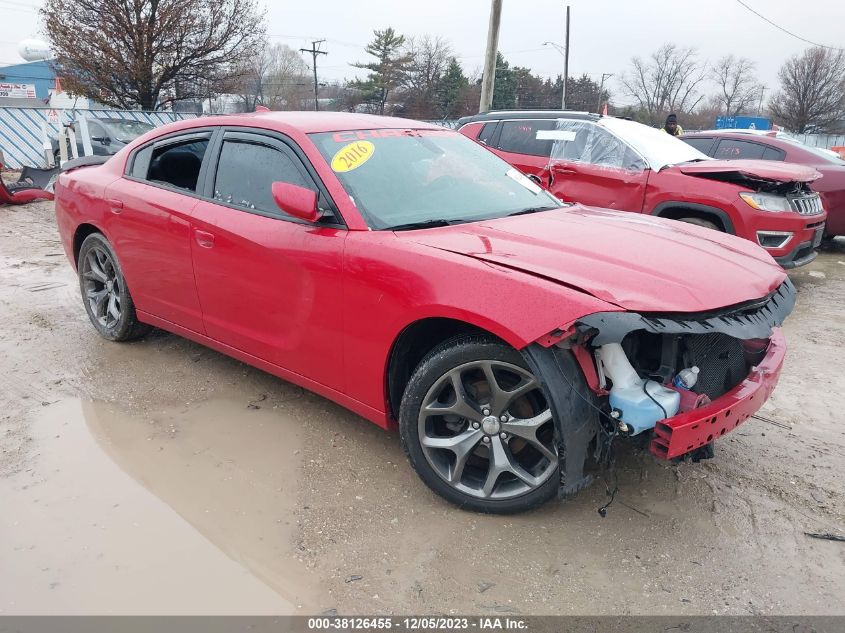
(33,50)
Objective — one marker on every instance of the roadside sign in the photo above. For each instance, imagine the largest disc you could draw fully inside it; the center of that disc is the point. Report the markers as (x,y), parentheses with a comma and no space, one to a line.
(17,91)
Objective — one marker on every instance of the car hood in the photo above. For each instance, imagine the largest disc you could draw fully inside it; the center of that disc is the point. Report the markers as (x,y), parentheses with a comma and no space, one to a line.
(635,262)
(754,169)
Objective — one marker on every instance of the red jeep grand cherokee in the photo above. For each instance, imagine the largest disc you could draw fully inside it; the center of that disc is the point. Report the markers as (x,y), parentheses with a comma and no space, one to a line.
(618,164)
(405,272)
(770,145)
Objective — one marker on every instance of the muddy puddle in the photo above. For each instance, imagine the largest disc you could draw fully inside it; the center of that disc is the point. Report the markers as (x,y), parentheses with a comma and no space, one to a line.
(189,510)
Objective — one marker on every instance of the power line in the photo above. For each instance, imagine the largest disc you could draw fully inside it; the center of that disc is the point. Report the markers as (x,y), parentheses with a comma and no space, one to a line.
(788,32)
(315,50)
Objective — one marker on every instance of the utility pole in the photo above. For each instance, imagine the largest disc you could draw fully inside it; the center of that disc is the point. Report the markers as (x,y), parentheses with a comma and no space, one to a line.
(315,50)
(760,107)
(601,89)
(565,62)
(488,79)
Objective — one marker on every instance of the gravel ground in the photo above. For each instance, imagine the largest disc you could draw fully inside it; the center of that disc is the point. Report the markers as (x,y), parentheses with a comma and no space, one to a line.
(162,477)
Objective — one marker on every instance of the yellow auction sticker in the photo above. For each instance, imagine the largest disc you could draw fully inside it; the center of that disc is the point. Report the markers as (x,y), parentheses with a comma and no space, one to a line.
(352,156)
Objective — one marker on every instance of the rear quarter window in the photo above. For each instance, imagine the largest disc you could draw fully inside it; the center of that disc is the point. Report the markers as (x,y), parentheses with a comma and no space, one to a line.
(487,132)
(772,153)
(702,144)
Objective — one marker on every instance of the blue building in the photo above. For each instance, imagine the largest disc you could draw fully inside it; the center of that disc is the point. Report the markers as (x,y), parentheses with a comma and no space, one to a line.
(39,73)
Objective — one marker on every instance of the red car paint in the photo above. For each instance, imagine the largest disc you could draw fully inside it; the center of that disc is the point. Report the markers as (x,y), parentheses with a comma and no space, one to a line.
(831,186)
(323,307)
(666,191)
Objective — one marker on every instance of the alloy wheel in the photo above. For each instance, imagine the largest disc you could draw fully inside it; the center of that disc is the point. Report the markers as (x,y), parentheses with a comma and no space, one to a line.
(486,429)
(102,286)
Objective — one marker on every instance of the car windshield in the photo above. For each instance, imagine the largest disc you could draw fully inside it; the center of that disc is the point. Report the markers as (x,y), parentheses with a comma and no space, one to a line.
(403,178)
(126,131)
(656,146)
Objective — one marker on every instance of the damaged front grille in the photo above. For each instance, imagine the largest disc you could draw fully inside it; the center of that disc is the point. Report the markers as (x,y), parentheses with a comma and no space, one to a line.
(806,205)
(721,360)
(751,320)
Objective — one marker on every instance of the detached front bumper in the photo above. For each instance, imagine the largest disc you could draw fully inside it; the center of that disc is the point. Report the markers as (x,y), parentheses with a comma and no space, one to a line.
(688,431)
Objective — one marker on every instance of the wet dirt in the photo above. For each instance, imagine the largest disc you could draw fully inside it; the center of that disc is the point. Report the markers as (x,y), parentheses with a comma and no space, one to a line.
(162,477)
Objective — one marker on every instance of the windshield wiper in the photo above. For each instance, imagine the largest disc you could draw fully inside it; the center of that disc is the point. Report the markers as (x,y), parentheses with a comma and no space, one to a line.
(532,210)
(422,224)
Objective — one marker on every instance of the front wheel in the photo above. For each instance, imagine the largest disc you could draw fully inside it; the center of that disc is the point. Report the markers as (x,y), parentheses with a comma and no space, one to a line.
(477,428)
(105,293)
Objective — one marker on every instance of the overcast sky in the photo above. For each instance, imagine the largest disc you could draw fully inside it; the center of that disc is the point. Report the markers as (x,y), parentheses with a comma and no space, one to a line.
(604,35)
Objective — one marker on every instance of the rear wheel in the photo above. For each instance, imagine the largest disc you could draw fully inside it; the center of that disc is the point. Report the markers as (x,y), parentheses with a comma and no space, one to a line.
(702,222)
(105,293)
(477,428)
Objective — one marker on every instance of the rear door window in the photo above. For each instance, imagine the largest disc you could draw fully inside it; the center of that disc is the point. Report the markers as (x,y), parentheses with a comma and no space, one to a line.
(176,163)
(520,137)
(732,149)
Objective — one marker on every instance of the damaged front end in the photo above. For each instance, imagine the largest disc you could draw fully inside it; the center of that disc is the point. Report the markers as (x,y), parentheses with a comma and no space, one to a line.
(637,369)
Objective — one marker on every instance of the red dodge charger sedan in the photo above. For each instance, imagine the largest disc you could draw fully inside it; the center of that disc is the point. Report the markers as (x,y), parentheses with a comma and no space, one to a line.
(405,272)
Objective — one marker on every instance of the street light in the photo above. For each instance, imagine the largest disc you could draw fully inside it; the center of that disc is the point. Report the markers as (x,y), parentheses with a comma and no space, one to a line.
(560,49)
(565,54)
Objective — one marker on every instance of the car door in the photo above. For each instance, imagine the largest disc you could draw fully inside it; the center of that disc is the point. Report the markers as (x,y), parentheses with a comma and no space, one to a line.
(150,226)
(516,141)
(592,166)
(270,285)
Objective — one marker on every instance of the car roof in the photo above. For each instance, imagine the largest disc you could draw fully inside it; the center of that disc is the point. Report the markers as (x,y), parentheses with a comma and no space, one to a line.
(308,122)
(498,115)
(755,136)
(725,132)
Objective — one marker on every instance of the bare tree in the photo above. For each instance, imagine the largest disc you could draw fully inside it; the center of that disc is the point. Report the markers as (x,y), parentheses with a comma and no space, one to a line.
(428,61)
(667,81)
(738,85)
(132,53)
(812,90)
(276,78)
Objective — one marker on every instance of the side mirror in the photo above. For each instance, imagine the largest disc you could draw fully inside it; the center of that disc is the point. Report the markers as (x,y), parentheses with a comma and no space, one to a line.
(296,201)
(105,140)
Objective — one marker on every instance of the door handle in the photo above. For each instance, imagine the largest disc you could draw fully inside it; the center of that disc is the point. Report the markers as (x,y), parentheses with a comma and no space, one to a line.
(204,238)
(116,206)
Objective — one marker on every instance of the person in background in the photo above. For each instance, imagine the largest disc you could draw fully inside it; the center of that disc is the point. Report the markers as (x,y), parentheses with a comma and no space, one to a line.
(671,126)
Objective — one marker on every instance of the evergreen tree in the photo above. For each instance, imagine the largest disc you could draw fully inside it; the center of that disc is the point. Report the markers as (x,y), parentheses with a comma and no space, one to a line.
(452,89)
(505,87)
(387,71)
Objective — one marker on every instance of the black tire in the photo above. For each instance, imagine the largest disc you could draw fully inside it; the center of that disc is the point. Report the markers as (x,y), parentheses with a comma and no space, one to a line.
(101,281)
(452,356)
(707,224)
